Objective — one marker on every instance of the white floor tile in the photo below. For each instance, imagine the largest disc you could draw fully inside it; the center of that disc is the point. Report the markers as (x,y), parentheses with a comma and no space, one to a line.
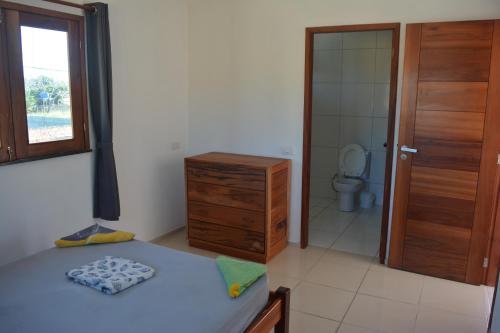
(295,262)
(362,236)
(347,328)
(377,266)
(350,242)
(322,238)
(321,301)
(333,220)
(440,321)
(367,224)
(455,297)
(337,275)
(279,280)
(321,202)
(329,225)
(347,258)
(490,292)
(382,315)
(306,323)
(334,210)
(315,223)
(393,284)
(314,211)
(375,212)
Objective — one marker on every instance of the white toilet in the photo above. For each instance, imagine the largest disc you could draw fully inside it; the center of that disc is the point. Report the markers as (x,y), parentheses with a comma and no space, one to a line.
(353,167)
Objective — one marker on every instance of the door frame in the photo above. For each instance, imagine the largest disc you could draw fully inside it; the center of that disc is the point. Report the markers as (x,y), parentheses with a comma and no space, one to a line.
(306,156)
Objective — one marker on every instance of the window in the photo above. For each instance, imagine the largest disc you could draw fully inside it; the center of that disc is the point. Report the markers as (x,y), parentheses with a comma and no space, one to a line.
(43,107)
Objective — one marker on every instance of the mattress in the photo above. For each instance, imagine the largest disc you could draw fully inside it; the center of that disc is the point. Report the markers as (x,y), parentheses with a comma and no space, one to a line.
(187,294)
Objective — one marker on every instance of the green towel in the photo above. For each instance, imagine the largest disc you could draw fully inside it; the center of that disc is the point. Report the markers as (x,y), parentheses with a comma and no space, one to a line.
(239,275)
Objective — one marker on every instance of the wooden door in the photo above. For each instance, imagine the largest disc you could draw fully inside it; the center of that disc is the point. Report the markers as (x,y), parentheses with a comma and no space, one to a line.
(450,113)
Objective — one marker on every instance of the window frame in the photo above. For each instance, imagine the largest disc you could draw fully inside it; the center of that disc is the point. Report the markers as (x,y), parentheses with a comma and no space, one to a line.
(13,113)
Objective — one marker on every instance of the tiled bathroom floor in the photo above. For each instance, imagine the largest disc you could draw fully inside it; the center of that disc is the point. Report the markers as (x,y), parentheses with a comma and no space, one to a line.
(355,232)
(335,291)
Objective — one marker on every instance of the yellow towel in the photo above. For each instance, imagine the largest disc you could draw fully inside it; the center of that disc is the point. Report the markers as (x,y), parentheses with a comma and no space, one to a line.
(94,235)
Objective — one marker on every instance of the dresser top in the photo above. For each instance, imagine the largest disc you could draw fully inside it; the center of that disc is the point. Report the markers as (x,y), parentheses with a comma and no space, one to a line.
(245,160)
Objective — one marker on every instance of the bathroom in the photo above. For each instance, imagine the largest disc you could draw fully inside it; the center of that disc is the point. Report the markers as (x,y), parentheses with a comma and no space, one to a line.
(351,85)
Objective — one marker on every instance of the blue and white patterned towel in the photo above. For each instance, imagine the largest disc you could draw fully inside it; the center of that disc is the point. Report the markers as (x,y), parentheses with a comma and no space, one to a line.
(111,275)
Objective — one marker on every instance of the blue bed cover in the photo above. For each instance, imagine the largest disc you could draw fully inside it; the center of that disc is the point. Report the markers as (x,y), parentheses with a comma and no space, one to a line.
(187,294)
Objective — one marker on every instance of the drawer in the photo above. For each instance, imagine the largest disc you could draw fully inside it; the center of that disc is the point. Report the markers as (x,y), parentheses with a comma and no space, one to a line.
(227,196)
(226,175)
(227,236)
(228,216)
(278,231)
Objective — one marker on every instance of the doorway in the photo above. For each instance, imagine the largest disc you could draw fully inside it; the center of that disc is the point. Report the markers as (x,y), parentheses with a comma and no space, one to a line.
(349,119)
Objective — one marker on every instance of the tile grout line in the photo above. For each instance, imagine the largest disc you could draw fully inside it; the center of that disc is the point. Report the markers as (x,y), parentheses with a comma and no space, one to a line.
(341,233)
(339,288)
(311,218)
(355,218)
(469,316)
(385,298)
(344,231)
(325,208)
(355,295)
(302,280)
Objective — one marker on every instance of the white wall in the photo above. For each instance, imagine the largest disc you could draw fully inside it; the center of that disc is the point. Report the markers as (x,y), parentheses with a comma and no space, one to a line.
(245,84)
(246,59)
(41,201)
(350,104)
(150,68)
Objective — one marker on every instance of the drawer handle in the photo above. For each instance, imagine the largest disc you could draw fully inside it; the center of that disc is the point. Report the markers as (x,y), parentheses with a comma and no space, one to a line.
(257,245)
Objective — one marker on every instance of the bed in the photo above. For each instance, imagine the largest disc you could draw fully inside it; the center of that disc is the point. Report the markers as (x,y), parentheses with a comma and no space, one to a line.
(187,294)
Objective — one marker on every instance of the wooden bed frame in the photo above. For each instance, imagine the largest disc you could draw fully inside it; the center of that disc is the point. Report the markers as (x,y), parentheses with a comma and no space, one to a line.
(275,315)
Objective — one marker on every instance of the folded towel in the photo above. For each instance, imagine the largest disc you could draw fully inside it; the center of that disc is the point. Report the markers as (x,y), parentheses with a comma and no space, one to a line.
(111,275)
(94,235)
(239,275)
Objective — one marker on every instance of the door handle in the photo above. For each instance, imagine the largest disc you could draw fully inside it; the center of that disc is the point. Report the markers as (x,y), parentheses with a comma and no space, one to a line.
(10,152)
(407,149)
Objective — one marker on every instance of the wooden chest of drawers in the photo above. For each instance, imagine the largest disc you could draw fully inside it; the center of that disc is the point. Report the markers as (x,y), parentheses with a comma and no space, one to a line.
(238,205)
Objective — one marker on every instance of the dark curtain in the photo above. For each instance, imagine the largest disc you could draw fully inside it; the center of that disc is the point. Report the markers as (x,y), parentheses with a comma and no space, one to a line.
(106,196)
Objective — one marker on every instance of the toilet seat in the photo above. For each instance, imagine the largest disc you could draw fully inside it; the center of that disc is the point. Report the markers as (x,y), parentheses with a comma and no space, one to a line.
(352,160)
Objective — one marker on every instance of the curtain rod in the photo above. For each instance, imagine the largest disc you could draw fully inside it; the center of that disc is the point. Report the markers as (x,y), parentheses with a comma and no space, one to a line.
(71,4)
